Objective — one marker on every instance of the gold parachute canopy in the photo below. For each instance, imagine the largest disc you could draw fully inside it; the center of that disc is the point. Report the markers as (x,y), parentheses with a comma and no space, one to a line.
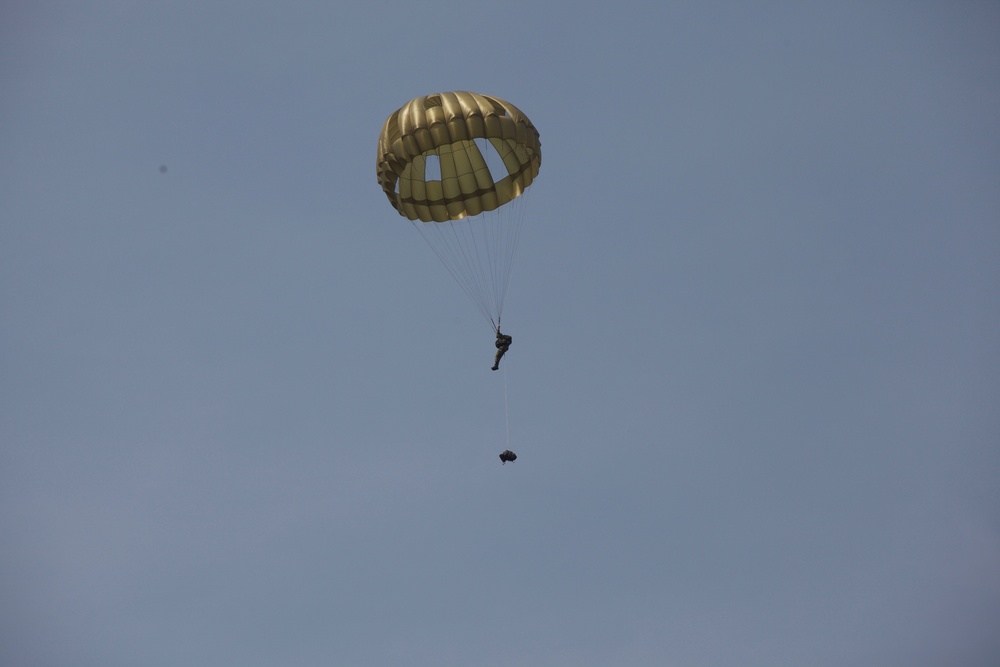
(443,128)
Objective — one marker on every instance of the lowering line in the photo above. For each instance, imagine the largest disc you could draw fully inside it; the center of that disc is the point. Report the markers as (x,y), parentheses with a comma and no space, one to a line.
(506,409)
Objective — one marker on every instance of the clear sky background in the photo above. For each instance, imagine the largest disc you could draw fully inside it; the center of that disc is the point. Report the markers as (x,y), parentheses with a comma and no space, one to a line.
(247,419)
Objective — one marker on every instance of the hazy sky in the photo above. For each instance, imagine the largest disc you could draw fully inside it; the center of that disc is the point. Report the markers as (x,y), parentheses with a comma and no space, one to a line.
(247,419)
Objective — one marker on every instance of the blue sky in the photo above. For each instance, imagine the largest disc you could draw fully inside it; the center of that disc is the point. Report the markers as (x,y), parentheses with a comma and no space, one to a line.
(248,419)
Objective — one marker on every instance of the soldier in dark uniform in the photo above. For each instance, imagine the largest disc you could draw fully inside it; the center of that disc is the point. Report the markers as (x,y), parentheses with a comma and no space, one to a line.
(503,343)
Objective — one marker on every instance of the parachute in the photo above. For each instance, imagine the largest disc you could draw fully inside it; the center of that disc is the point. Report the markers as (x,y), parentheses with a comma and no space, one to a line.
(457,166)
